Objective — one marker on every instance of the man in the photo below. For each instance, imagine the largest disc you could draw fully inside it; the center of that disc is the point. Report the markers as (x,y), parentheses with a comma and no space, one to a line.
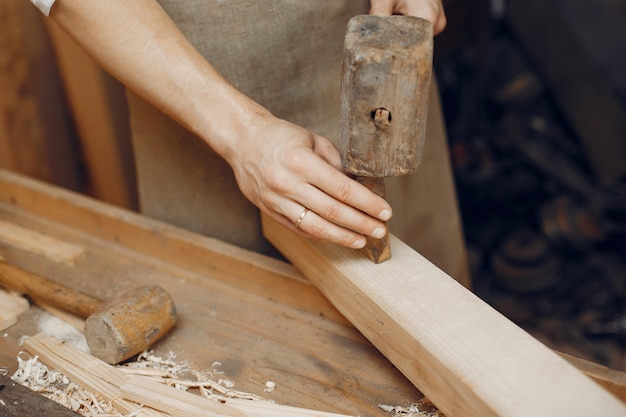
(245,84)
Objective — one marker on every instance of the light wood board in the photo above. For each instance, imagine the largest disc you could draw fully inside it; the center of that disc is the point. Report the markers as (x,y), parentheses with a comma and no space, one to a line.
(11,306)
(462,354)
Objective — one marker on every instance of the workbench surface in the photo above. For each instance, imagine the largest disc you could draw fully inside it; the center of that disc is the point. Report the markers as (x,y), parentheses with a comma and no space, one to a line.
(255,315)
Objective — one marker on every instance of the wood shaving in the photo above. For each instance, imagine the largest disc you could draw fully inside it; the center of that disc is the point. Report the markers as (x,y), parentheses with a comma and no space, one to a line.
(57,387)
(422,408)
(210,384)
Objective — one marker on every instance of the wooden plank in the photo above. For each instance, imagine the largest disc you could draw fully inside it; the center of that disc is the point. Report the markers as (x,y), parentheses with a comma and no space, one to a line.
(7,318)
(113,384)
(39,243)
(36,136)
(11,306)
(19,401)
(15,303)
(97,121)
(463,355)
(611,380)
(86,370)
(185,404)
(256,273)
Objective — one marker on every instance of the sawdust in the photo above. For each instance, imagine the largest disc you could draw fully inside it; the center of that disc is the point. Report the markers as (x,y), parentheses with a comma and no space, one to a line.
(422,408)
(211,384)
(54,326)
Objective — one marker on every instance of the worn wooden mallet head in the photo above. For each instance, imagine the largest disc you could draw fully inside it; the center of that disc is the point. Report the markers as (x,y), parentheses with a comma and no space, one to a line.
(386,74)
(115,331)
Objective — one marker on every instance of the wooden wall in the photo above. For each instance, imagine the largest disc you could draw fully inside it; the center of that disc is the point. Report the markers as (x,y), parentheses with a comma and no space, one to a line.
(36,135)
(62,119)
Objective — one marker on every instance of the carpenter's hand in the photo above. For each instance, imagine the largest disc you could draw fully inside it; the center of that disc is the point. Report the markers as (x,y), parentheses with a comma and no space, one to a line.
(287,169)
(280,167)
(431,10)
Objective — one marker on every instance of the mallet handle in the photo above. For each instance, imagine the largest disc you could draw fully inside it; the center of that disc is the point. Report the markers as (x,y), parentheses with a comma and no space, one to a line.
(42,289)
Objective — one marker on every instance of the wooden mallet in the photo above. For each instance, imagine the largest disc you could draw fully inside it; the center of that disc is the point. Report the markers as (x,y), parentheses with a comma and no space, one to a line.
(386,74)
(115,331)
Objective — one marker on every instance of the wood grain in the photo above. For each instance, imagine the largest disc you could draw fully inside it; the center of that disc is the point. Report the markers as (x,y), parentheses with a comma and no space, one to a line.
(36,135)
(39,243)
(90,97)
(11,306)
(19,401)
(463,355)
(386,73)
(257,316)
(245,269)
(113,385)
(87,371)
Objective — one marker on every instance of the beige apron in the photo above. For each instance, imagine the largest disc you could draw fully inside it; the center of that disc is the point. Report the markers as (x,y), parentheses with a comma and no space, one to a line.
(286,55)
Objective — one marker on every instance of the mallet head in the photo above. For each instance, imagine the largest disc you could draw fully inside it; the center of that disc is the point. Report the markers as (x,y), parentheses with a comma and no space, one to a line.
(130,324)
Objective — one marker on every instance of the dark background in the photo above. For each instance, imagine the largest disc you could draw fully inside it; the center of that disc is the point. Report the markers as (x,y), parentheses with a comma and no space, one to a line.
(534,96)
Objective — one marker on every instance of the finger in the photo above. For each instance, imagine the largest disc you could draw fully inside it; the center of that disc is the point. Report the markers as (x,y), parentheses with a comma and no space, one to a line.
(329,153)
(345,190)
(433,14)
(381,7)
(313,225)
(341,214)
(308,224)
(431,10)
(440,24)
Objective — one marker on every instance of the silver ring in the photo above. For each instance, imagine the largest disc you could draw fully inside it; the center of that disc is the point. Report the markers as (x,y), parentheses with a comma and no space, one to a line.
(299,219)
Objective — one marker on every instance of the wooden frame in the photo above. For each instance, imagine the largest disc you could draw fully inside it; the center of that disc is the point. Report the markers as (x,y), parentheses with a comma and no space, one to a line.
(462,354)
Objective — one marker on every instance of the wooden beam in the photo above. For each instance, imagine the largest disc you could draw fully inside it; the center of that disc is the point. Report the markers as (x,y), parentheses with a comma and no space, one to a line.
(611,380)
(19,401)
(238,267)
(36,136)
(102,125)
(467,358)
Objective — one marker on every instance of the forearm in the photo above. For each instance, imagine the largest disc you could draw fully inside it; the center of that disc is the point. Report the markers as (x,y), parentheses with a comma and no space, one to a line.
(137,43)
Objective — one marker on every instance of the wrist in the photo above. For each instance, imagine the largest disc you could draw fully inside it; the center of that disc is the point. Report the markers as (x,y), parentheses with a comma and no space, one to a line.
(229,121)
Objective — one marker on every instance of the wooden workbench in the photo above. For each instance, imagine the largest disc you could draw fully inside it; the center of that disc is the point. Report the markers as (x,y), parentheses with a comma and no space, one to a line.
(251,313)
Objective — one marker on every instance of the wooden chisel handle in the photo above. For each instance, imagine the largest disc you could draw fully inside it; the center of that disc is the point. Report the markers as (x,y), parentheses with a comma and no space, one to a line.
(377,250)
(42,289)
